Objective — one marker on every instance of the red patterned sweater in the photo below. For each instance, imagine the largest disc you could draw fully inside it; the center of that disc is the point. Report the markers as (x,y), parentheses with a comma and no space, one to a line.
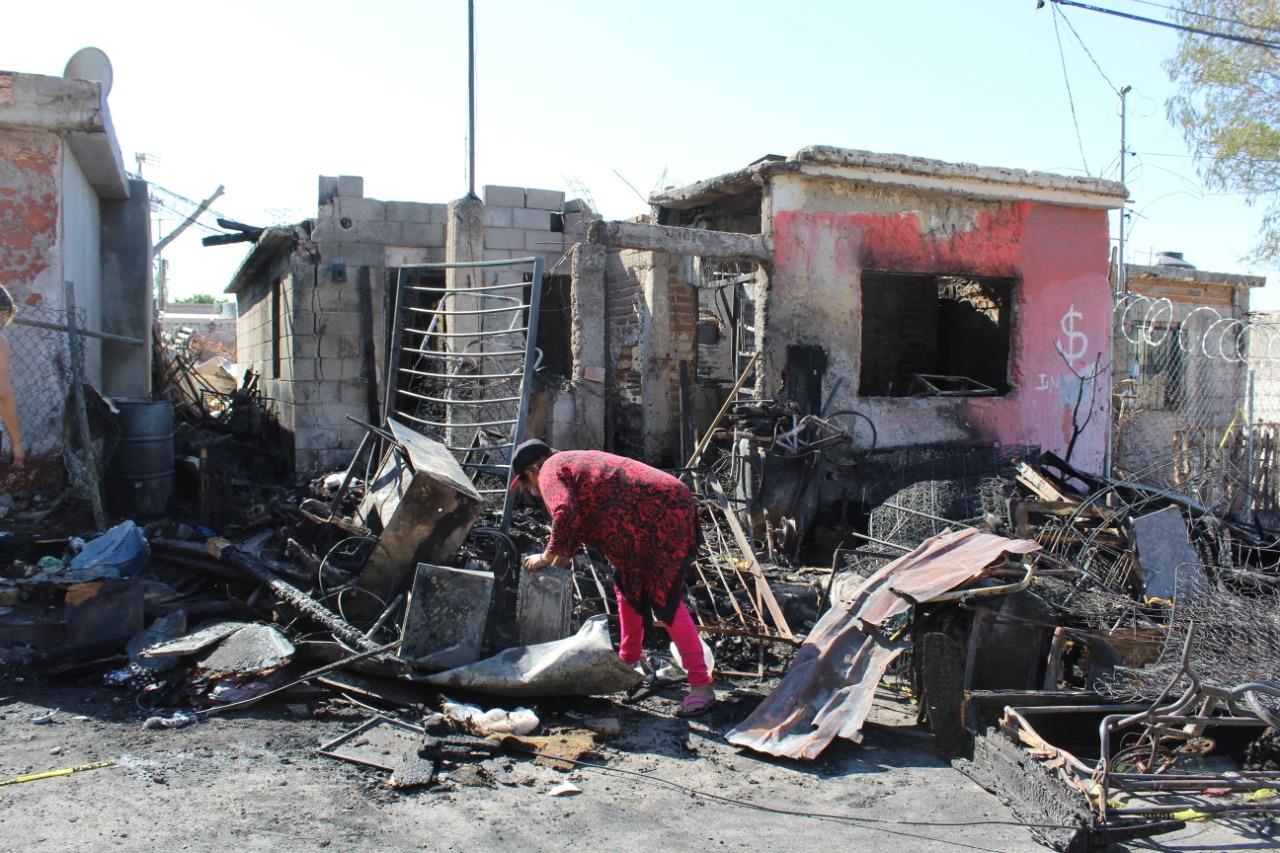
(644,522)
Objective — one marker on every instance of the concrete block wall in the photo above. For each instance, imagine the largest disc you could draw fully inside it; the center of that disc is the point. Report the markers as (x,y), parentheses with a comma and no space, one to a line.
(518,223)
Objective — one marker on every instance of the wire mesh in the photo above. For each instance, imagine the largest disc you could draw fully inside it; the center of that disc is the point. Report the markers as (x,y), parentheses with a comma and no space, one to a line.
(1188,411)
(40,369)
(1236,641)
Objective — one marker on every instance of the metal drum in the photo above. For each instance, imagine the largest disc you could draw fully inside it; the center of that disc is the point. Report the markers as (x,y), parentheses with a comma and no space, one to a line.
(140,476)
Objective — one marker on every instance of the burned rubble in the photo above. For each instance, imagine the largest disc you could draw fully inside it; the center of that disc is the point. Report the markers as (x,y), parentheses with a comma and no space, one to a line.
(1095,642)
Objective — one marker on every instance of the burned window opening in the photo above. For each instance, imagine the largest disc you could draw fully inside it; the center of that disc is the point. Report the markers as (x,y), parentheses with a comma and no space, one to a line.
(555,325)
(939,326)
(725,329)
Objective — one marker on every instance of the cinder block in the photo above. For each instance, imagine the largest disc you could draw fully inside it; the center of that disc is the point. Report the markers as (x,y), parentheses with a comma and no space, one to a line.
(503,238)
(408,211)
(497,217)
(544,199)
(315,439)
(350,186)
(361,209)
(424,234)
(348,347)
(535,220)
(328,189)
(543,241)
(504,196)
(496,254)
(437,213)
(353,391)
(576,205)
(379,232)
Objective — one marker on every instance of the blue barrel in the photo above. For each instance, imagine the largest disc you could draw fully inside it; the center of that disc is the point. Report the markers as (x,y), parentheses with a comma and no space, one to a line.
(140,476)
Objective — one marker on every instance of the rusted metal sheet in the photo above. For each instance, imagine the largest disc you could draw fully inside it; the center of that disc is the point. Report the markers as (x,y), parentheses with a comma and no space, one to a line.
(829,688)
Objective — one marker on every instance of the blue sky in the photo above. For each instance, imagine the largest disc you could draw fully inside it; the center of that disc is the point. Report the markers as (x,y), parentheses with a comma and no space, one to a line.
(264,97)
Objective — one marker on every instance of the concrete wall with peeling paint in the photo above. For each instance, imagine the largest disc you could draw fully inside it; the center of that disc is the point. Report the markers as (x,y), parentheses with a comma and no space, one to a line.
(29,214)
(826,232)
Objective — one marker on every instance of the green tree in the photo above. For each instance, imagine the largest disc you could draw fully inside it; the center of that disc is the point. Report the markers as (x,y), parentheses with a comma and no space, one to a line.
(198,299)
(1227,103)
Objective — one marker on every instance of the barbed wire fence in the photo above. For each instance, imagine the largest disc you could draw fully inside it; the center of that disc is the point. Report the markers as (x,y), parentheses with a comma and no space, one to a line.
(1196,403)
(40,369)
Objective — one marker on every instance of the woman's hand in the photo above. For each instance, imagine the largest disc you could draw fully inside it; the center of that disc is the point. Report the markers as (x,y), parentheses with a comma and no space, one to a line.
(18,456)
(535,562)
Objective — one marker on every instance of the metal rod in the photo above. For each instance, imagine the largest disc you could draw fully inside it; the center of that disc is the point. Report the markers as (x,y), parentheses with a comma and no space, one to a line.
(477,335)
(518,306)
(475,356)
(526,382)
(393,353)
(82,413)
(88,333)
(485,402)
(1121,278)
(471,98)
(462,375)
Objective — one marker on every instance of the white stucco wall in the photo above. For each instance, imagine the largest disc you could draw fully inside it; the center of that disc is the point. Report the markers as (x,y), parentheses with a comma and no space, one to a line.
(81,227)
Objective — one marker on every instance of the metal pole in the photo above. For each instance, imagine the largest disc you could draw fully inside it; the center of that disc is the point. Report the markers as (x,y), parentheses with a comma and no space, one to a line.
(526,381)
(82,414)
(471,98)
(1248,451)
(1121,285)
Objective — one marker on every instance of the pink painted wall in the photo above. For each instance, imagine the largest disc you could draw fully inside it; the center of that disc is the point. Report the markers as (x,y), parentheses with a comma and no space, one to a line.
(29,198)
(1057,254)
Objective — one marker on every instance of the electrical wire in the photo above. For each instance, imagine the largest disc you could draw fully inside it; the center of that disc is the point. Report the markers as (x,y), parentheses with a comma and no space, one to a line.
(1206,16)
(782,810)
(1256,42)
(1089,53)
(1062,56)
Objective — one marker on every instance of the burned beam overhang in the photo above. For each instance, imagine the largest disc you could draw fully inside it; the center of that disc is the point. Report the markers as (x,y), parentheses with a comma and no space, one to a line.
(270,244)
(680,241)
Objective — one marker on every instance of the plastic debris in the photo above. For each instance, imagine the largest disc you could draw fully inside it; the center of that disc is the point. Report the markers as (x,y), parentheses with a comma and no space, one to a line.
(564,789)
(180,719)
(44,719)
(495,721)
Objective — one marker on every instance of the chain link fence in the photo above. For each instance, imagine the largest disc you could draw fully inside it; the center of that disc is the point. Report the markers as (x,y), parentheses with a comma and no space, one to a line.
(40,368)
(1196,403)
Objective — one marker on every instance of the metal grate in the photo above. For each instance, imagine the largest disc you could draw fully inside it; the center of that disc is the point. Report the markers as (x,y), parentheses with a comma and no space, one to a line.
(462,361)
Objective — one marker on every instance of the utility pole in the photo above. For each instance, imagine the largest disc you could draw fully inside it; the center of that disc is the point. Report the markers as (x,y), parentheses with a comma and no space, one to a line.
(471,98)
(1121,283)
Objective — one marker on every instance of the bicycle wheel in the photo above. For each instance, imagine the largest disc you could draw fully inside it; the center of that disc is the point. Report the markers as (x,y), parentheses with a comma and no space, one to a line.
(861,437)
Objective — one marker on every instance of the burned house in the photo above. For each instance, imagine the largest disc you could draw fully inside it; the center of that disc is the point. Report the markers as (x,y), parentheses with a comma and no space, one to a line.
(315,300)
(949,303)
(73,227)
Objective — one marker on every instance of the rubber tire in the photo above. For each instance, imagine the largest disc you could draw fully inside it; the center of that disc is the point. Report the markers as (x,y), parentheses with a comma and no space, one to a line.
(942,694)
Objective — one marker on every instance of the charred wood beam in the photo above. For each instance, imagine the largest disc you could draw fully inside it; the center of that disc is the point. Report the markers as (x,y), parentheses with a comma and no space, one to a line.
(680,241)
(289,594)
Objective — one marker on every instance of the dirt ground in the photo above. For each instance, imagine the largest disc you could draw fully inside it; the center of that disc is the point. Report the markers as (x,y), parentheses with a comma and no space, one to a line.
(252,781)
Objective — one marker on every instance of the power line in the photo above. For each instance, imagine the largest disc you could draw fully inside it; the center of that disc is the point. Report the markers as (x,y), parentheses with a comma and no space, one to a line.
(1062,56)
(1256,42)
(1088,52)
(1206,16)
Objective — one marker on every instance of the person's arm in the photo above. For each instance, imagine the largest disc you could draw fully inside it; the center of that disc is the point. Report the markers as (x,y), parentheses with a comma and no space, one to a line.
(566,536)
(9,406)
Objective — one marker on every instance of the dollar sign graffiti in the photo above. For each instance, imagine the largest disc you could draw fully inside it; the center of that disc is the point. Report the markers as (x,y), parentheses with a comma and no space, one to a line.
(1076,342)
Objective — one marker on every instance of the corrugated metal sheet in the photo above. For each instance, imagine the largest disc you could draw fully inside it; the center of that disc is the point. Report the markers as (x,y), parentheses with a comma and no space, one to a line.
(829,688)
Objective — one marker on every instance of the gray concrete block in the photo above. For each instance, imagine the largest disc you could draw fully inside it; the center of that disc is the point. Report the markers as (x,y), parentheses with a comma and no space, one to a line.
(503,238)
(315,439)
(328,189)
(353,391)
(504,196)
(359,209)
(575,205)
(535,220)
(424,234)
(379,232)
(437,213)
(497,254)
(497,217)
(543,241)
(544,199)
(349,347)
(350,186)
(408,211)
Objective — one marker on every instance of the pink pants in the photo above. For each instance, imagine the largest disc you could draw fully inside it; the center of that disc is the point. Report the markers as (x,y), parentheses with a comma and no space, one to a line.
(682,631)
